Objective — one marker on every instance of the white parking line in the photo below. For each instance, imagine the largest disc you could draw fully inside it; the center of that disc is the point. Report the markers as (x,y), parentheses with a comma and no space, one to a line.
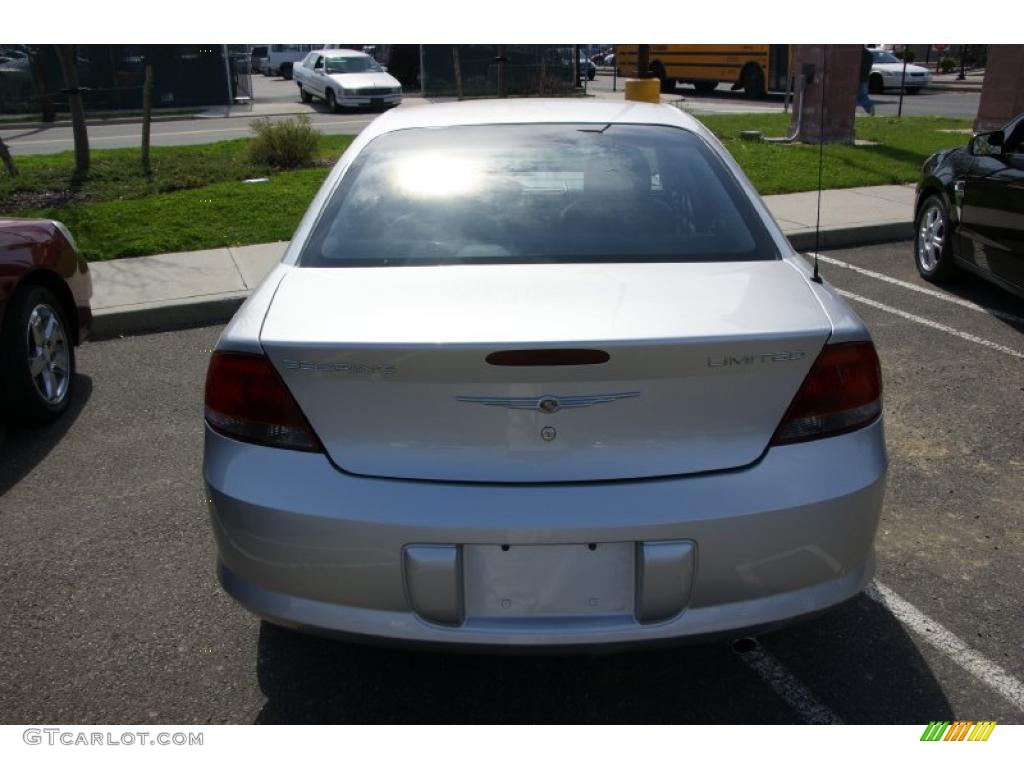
(791,690)
(1007,316)
(988,672)
(932,324)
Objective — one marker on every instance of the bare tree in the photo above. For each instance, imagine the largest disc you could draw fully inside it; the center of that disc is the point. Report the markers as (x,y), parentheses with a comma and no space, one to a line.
(69,66)
(457,64)
(8,161)
(35,55)
(502,59)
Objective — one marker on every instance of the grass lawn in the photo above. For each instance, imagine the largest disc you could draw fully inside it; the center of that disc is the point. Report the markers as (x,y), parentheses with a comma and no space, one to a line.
(901,147)
(195,198)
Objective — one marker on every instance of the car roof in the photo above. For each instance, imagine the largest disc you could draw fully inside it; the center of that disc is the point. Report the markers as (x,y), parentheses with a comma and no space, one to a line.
(337,51)
(529,110)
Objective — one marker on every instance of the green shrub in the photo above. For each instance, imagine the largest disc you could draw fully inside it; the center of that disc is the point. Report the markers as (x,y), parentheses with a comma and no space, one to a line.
(291,143)
(947,65)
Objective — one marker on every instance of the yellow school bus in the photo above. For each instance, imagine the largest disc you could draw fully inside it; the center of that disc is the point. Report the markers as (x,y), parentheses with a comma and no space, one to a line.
(756,69)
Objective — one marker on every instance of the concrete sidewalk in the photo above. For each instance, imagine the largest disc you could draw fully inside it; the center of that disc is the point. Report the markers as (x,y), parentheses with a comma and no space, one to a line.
(178,290)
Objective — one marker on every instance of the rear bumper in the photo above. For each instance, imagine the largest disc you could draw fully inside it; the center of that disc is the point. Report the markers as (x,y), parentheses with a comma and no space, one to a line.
(306,545)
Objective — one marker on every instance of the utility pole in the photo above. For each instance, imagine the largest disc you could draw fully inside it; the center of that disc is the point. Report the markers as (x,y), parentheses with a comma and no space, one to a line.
(643,60)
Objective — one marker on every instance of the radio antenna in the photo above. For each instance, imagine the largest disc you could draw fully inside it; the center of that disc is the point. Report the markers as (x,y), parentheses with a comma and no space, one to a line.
(821,158)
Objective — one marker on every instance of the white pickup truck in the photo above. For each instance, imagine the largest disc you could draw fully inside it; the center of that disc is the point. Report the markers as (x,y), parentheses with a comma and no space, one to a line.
(345,78)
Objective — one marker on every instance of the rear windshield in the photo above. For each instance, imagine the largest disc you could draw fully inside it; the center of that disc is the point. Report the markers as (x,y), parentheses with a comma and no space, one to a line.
(536,194)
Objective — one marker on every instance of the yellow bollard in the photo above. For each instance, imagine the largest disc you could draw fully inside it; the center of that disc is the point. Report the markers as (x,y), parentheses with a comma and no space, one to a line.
(644,90)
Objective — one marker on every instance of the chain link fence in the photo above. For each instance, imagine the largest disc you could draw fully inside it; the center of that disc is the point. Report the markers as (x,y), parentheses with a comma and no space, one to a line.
(531,70)
(111,76)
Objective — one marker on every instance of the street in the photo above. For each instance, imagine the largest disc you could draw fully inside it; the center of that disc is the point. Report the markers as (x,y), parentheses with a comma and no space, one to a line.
(111,611)
(278,98)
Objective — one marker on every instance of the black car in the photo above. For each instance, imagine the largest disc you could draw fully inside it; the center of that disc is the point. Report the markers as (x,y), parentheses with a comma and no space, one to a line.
(969,211)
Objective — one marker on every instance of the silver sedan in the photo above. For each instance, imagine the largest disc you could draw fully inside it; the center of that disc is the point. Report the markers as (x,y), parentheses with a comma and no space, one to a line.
(542,373)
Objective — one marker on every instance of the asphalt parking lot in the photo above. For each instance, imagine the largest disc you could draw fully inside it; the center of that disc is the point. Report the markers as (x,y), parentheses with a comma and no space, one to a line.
(110,610)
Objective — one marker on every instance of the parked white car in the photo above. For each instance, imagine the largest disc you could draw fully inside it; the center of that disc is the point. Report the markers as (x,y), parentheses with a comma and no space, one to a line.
(346,78)
(887,72)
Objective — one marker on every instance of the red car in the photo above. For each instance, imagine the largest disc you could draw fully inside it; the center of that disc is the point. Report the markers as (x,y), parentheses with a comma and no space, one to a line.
(44,313)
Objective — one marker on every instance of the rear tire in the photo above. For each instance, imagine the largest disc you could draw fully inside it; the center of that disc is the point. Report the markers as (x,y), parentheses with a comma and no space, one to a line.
(332,101)
(286,71)
(37,358)
(876,84)
(705,86)
(933,246)
(304,95)
(912,91)
(658,70)
(753,81)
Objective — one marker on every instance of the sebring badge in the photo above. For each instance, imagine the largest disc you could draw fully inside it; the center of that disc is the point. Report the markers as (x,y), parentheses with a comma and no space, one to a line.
(547,403)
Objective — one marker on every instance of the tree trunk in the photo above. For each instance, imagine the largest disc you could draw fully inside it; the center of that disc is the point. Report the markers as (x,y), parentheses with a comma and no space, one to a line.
(147,115)
(826,112)
(457,64)
(502,71)
(8,161)
(46,109)
(69,66)
(1002,90)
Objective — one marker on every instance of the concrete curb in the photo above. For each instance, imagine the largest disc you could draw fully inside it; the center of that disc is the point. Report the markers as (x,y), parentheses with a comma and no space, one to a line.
(164,316)
(98,122)
(212,310)
(850,237)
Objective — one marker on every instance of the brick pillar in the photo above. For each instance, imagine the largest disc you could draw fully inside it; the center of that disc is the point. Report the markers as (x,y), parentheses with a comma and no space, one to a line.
(828,115)
(1002,91)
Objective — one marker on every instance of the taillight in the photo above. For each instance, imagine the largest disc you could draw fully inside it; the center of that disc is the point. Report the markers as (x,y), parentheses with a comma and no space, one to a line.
(842,392)
(246,399)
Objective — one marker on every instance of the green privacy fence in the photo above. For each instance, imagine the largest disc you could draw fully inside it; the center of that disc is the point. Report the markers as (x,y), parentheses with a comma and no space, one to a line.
(111,76)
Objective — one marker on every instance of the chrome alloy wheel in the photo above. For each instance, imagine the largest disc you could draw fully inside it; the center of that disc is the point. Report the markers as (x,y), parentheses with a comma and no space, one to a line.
(49,356)
(931,236)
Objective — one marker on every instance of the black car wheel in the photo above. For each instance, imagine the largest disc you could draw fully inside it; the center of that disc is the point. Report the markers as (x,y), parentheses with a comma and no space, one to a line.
(332,101)
(37,358)
(658,70)
(876,84)
(933,241)
(286,71)
(753,81)
(305,95)
(912,91)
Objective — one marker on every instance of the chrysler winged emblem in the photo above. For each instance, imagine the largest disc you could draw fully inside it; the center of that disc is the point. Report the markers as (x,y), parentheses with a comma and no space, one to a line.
(548,403)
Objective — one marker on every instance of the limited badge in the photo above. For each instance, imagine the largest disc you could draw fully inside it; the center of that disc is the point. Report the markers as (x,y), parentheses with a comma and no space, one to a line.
(548,433)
